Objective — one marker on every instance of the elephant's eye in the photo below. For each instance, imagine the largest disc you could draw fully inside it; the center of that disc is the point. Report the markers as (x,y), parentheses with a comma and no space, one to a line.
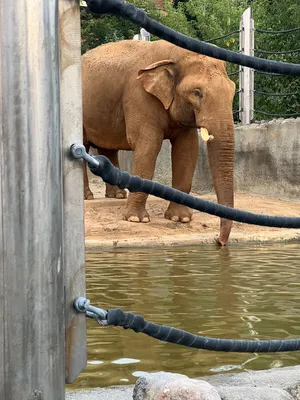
(197,93)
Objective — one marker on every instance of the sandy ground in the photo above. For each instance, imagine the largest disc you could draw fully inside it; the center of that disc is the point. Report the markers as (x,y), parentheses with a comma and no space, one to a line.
(104,226)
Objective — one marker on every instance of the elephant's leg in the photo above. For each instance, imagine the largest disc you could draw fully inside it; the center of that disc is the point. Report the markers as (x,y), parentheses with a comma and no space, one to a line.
(184,159)
(88,195)
(144,158)
(113,192)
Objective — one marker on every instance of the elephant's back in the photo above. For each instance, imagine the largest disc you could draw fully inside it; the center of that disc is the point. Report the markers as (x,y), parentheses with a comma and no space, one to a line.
(122,56)
(106,68)
(108,72)
(110,67)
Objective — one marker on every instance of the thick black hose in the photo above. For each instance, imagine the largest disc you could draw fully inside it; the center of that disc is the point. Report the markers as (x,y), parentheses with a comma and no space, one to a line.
(165,333)
(114,176)
(139,17)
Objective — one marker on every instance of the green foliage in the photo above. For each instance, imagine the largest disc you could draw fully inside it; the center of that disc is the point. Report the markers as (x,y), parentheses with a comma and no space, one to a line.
(213,18)
(276,15)
(208,19)
(98,30)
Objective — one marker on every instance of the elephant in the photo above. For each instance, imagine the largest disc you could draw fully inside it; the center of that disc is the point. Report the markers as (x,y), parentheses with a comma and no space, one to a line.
(137,94)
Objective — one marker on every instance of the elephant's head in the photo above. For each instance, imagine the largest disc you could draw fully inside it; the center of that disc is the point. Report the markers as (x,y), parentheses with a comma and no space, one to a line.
(196,92)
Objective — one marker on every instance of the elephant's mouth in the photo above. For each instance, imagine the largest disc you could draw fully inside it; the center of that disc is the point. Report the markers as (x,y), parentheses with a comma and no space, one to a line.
(206,137)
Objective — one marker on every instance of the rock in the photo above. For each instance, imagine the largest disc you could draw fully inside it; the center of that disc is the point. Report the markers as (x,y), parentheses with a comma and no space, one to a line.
(253,393)
(295,392)
(286,378)
(167,386)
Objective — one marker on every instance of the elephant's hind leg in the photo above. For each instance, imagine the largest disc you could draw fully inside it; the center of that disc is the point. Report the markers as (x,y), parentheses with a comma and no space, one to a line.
(113,192)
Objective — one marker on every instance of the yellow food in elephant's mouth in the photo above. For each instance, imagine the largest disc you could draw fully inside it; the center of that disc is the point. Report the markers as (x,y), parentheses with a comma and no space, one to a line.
(205,135)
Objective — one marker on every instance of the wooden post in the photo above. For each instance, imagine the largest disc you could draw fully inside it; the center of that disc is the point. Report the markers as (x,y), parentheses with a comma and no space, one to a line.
(36,199)
(73,208)
(246,96)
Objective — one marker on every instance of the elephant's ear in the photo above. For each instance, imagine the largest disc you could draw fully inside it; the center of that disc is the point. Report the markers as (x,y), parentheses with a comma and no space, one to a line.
(159,80)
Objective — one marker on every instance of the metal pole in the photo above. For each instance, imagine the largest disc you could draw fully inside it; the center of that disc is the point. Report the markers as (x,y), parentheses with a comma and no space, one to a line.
(33,234)
(246,96)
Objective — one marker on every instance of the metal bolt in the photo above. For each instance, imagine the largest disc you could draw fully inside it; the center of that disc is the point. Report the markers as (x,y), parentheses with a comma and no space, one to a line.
(78,151)
(81,304)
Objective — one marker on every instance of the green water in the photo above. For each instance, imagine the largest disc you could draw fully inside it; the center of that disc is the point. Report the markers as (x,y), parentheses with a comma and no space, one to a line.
(242,292)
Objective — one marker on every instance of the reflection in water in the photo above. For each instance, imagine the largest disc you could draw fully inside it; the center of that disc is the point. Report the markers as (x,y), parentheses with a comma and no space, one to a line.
(241,292)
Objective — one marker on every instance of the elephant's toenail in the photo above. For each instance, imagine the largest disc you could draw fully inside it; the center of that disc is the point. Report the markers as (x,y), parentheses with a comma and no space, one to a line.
(186,219)
(133,219)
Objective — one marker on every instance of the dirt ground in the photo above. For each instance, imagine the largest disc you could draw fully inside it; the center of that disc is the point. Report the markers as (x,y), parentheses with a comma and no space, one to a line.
(104,226)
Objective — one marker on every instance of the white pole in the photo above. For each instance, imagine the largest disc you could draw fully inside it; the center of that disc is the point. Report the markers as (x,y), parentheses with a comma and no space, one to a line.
(143,35)
(246,95)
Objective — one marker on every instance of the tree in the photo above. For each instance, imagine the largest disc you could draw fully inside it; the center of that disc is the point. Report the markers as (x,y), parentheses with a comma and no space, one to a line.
(97,30)
(277,15)
(209,19)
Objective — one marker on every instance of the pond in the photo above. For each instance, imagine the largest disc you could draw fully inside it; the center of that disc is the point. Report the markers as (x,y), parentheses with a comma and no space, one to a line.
(242,292)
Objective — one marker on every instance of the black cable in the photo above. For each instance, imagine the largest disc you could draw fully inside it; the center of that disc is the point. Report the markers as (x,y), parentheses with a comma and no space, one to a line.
(274,94)
(165,333)
(222,37)
(114,176)
(277,32)
(276,52)
(268,73)
(276,115)
(233,73)
(139,17)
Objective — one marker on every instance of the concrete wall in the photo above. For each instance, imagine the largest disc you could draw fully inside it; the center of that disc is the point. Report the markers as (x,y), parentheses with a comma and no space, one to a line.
(267,161)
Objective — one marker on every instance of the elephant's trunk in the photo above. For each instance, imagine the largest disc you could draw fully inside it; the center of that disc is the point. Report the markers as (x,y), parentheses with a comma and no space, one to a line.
(221,161)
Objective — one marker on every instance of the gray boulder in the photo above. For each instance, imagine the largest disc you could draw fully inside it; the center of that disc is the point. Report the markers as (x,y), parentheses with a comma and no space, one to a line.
(167,386)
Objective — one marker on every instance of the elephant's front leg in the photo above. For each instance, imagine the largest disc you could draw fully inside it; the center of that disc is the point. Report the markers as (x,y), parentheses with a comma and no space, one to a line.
(184,160)
(144,159)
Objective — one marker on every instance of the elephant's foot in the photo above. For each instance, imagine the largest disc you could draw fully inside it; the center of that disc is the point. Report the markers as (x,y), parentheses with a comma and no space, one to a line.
(135,214)
(88,195)
(178,213)
(114,192)
(219,242)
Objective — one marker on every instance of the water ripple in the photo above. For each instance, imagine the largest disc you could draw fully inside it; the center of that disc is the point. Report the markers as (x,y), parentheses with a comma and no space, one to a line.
(241,292)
